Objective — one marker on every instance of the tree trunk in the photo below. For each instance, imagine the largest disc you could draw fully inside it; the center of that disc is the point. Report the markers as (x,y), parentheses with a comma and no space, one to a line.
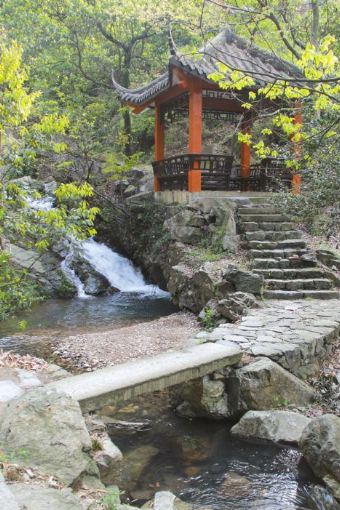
(315,23)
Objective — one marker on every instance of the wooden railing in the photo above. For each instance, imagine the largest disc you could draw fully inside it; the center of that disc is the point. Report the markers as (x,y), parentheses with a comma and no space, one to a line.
(218,173)
(269,175)
(172,173)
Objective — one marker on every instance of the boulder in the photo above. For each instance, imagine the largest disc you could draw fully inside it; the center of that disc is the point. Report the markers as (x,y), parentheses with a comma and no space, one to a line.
(192,285)
(329,258)
(235,305)
(194,449)
(130,191)
(50,435)
(44,269)
(204,398)
(7,499)
(320,445)
(95,284)
(244,281)
(135,461)
(109,461)
(165,500)
(320,498)
(275,426)
(205,219)
(185,226)
(231,308)
(34,497)
(237,486)
(264,385)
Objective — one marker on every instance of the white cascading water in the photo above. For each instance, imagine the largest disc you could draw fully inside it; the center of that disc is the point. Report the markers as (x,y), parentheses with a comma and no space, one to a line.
(70,273)
(41,204)
(118,270)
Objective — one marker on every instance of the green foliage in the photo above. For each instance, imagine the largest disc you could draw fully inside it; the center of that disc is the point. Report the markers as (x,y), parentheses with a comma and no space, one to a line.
(112,499)
(14,456)
(318,205)
(96,444)
(20,126)
(208,320)
(279,402)
(206,254)
(16,291)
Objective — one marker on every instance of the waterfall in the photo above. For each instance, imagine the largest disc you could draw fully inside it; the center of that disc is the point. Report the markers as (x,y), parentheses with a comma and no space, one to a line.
(70,273)
(118,270)
(41,204)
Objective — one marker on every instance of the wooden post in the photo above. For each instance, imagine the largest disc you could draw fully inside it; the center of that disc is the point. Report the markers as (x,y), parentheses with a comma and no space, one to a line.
(297,149)
(245,148)
(159,142)
(195,136)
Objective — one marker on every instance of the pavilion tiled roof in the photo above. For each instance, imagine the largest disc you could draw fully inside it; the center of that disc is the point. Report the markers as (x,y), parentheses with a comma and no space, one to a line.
(226,48)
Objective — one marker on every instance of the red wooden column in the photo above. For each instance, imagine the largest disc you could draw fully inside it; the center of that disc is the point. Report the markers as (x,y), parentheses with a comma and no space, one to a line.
(195,136)
(297,149)
(245,148)
(159,142)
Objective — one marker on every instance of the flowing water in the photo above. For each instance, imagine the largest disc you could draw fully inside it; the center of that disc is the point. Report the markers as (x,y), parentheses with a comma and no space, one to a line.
(135,301)
(118,270)
(197,460)
(202,463)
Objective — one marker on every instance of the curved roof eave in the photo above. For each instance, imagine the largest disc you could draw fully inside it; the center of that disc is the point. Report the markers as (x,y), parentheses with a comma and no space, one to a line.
(226,48)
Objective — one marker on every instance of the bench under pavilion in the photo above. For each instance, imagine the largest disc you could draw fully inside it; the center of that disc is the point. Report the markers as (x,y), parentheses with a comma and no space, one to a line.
(186,89)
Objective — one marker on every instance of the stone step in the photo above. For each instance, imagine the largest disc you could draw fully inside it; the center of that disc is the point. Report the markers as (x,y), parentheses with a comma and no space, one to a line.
(286,253)
(259,218)
(271,235)
(299,284)
(257,210)
(253,226)
(293,295)
(272,263)
(275,245)
(290,274)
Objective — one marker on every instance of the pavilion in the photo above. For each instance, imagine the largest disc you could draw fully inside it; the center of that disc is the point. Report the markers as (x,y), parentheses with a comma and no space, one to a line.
(186,89)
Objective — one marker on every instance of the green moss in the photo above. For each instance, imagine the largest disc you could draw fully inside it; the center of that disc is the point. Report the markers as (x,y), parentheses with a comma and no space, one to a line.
(206,254)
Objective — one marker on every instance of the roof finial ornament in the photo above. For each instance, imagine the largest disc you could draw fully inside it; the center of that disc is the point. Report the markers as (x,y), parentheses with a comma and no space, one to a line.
(172,45)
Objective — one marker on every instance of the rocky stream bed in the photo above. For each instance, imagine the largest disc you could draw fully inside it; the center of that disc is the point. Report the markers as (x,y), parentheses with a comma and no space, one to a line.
(263,433)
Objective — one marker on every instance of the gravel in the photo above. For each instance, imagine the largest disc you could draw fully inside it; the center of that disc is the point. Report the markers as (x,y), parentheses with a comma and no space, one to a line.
(90,351)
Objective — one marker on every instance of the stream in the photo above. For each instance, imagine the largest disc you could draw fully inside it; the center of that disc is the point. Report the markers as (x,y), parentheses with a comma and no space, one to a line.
(197,460)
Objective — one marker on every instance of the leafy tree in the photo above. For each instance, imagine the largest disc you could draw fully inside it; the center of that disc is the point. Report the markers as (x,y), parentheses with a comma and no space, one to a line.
(24,137)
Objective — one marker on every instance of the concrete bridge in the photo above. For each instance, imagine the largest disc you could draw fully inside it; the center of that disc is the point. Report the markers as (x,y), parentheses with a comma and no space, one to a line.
(122,382)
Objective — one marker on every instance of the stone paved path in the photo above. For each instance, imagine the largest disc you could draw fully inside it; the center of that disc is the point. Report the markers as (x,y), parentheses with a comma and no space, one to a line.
(296,334)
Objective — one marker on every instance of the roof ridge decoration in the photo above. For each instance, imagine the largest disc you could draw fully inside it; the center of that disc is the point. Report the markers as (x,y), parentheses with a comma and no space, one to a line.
(227,48)
(172,45)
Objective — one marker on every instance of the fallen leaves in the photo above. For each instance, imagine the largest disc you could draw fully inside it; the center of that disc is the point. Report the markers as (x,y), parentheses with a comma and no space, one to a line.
(9,359)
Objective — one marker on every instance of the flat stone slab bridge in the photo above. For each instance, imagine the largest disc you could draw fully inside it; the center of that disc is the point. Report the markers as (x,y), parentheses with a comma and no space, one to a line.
(122,382)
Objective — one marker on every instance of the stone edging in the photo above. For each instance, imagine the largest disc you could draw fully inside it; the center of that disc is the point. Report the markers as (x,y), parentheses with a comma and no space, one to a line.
(298,335)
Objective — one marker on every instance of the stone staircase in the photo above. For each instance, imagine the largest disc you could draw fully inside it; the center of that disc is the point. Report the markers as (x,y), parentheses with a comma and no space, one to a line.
(279,253)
